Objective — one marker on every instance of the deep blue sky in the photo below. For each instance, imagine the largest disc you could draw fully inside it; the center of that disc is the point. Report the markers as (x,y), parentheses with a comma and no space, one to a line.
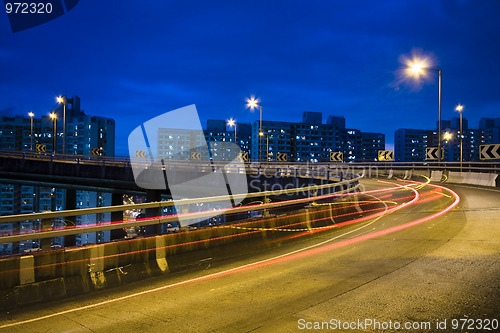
(133,60)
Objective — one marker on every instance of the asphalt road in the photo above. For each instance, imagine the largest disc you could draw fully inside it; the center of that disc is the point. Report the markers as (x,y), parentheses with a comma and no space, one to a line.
(443,268)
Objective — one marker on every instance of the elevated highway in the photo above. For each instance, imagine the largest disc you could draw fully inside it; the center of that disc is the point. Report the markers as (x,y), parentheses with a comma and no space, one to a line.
(422,253)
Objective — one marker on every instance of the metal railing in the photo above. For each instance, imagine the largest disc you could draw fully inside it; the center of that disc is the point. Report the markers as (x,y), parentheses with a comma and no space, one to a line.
(126,162)
(313,193)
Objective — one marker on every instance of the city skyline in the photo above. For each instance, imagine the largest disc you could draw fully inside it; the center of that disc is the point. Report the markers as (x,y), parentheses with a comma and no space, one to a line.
(339,59)
(388,140)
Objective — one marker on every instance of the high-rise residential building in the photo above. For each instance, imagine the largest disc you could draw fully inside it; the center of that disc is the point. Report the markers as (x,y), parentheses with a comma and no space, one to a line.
(491,128)
(244,137)
(371,143)
(276,140)
(83,132)
(312,141)
(313,118)
(177,144)
(337,121)
(410,145)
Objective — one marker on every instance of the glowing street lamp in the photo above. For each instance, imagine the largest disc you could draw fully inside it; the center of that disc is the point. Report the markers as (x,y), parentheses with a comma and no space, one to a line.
(53,116)
(447,136)
(232,122)
(31,114)
(415,69)
(253,103)
(460,108)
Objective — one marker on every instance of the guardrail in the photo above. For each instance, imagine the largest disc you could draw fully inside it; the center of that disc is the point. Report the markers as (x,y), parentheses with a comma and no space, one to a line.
(126,162)
(313,192)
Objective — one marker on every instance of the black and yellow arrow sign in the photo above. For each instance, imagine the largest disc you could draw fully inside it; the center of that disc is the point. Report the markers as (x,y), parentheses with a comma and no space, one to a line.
(432,153)
(281,157)
(489,152)
(39,148)
(140,153)
(336,156)
(195,155)
(96,151)
(385,155)
(243,157)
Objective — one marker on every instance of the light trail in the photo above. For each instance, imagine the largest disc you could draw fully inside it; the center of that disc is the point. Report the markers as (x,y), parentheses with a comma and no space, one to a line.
(256,207)
(198,279)
(253,230)
(313,249)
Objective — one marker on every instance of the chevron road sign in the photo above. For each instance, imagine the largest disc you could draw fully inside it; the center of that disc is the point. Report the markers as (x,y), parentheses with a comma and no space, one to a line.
(431,153)
(140,153)
(281,157)
(336,156)
(385,155)
(39,148)
(243,157)
(96,151)
(489,152)
(195,155)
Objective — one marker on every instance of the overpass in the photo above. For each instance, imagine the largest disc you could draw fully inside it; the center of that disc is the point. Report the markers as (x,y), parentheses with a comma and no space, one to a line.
(409,252)
(348,211)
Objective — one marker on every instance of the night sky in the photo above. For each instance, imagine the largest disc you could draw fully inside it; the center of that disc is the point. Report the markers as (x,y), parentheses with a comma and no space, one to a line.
(134,60)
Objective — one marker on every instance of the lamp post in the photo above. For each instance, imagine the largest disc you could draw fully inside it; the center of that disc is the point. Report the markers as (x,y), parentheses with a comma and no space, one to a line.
(460,108)
(60,100)
(253,103)
(54,118)
(232,122)
(31,114)
(267,138)
(416,69)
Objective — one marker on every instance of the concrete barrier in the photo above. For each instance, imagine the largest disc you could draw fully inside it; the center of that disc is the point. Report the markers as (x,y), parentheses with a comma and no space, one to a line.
(391,173)
(399,173)
(436,175)
(467,178)
(408,174)
(488,179)
(62,273)
(473,178)
(455,177)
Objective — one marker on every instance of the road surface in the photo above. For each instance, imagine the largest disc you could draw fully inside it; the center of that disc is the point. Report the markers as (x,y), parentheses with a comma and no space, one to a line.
(402,267)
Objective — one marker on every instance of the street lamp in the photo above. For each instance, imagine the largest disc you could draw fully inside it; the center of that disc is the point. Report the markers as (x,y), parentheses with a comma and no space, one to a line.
(460,108)
(54,118)
(253,103)
(232,122)
(60,100)
(31,114)
(416,68)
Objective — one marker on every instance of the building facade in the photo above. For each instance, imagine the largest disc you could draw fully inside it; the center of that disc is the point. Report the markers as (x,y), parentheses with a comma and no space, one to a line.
(312,141)
(410,144)
(83,132)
